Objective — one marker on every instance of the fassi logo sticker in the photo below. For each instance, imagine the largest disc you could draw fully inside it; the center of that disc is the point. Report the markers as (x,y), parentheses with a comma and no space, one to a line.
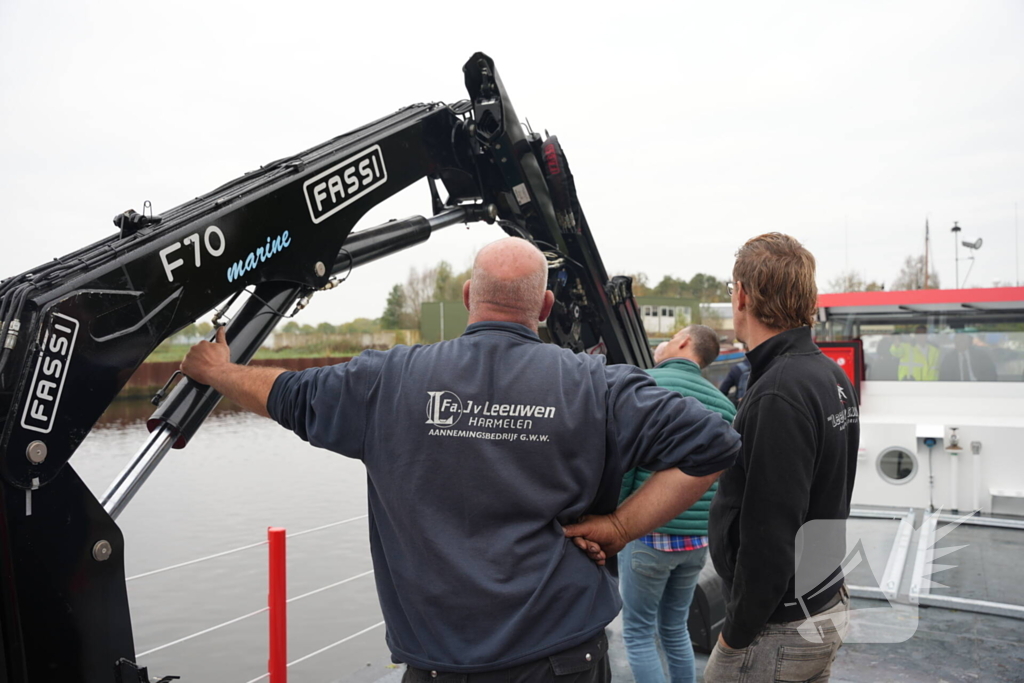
(340,185)
(51,371)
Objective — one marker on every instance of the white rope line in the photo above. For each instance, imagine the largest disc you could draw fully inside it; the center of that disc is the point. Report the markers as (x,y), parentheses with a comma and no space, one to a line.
(343,640)
(237,550)
(252,614)
(320,590)
(201,559)
(203,632)
(327,526)
(324,649)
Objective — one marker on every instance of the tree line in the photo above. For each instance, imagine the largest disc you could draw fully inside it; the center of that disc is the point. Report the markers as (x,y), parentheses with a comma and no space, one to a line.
(437,283)
(702,287)
(442,282)
(911,276)
(357,326)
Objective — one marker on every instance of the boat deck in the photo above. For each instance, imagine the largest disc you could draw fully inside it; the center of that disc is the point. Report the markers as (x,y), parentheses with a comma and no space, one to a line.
(949,646)
(928,644)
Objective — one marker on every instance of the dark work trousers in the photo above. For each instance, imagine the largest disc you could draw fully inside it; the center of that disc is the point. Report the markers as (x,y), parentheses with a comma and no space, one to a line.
(585,663)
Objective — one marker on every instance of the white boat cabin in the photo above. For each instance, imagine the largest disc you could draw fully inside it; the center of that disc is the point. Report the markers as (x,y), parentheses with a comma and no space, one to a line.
(942,395)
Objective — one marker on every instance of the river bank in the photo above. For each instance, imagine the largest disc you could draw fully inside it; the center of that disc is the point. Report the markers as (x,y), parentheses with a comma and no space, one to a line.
(150,376)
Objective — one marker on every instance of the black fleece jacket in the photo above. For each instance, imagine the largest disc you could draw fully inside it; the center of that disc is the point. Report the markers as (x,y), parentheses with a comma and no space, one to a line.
(800,432)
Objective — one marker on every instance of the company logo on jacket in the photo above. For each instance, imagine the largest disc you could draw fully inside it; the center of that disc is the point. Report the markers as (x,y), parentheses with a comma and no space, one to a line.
(445,408)
(845,416)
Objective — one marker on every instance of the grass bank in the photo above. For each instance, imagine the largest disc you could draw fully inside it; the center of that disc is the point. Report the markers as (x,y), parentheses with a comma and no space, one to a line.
(166,353)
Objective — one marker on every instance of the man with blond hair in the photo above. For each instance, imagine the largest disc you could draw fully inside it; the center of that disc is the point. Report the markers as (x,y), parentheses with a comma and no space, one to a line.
(479,452)
(799,426)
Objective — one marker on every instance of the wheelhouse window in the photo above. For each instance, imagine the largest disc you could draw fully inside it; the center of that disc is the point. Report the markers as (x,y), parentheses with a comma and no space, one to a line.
(948,346)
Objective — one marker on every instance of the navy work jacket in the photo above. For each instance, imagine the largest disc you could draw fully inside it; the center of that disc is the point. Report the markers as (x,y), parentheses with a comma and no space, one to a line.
(477,451)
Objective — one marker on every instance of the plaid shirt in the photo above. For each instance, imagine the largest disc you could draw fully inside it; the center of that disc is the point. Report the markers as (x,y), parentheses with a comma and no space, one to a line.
(671,544)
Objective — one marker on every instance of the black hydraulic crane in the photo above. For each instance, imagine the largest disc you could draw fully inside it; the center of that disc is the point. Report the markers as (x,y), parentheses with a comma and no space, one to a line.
(75,329)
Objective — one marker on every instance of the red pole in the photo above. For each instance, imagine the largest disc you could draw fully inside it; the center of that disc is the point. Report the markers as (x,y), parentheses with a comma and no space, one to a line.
(277,604)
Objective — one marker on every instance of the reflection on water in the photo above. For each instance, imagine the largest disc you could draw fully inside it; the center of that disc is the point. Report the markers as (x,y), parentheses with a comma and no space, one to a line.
(126,412)
(239,475)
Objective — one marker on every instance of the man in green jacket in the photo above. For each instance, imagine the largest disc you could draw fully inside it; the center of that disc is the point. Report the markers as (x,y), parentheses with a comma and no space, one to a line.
(658,572)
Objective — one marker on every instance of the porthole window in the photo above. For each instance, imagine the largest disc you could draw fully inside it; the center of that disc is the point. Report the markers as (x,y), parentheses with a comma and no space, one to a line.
(897,465)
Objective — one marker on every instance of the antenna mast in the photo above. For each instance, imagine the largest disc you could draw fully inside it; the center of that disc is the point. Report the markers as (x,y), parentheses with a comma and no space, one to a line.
(926,248)
(956,253)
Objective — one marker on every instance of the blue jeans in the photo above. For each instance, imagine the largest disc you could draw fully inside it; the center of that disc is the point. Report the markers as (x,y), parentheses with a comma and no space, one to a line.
(657,588)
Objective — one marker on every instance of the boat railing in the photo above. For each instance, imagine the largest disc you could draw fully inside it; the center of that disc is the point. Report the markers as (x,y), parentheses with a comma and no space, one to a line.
(922,565)
(888,590)
(279,666)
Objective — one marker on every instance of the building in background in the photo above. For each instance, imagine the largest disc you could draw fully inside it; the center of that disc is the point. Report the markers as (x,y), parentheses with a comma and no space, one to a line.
(662,317)
(718,316)
(440,320)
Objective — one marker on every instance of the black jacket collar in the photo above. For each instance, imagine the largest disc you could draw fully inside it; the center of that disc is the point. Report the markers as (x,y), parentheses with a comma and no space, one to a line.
(496,326)
(797,340)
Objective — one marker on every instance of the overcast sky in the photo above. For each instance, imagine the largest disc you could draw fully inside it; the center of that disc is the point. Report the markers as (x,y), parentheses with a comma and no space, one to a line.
(690,127)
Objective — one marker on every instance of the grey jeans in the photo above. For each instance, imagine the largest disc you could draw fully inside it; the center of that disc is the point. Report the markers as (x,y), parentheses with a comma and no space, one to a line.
(780,652)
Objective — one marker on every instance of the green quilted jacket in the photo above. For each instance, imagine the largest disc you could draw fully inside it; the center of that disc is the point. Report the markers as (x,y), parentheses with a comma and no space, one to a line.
(684,376)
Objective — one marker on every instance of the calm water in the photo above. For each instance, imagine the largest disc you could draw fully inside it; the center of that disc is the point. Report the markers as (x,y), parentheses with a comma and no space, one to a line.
(239,475)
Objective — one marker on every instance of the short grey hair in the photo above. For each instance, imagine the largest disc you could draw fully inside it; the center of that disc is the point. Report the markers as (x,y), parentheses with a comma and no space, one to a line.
(524,294)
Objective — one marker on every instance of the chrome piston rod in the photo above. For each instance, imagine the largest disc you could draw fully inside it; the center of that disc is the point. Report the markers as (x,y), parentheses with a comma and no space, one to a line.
(132,477)
(374,243)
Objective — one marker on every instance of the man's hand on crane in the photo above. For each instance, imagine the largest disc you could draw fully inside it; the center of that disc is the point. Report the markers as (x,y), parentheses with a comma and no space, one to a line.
(210,363)
(206,360)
